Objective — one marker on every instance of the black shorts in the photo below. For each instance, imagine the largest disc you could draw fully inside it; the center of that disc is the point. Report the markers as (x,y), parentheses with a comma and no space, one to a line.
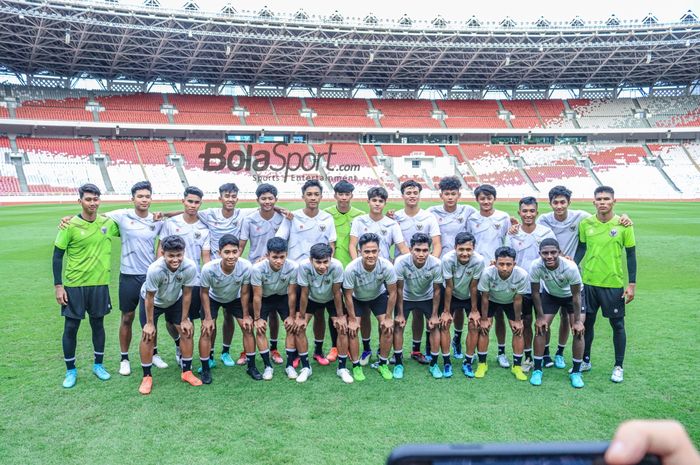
(195,304)
(495,308)
(313,307)
(551,304)
(528,306)
(130,291)
(457,304)
(376,305)
(422,306)
(234,308)
(610,300)
(275,303)
(93,300)
(173,314)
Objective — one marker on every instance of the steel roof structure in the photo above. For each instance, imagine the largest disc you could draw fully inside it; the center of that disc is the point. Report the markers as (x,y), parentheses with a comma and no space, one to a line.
(112,41)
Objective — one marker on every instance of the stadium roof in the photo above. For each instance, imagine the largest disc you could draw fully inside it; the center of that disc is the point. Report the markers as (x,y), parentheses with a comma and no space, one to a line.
(108,40)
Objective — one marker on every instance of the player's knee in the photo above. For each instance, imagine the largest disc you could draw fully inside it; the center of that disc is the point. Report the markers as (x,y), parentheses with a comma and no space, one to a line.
(128,318)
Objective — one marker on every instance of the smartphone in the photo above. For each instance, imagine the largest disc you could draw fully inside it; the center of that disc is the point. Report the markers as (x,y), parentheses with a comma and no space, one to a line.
(556,453)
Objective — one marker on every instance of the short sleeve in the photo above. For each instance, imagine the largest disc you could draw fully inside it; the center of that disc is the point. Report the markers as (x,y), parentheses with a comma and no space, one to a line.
(338,278)
(204,278)
(333,236)
(113,229)
(390,275)
(152,281)
(283,231)
(301,277)
(293,278)
(355,228)
(581,232)
(348,279)
(117,215)
(190,277)
(206,216)
(397,234)
(479,269)
(535,275)
(484,283)
(505,226)
(243,235)
(574,276)
(165,230)
(446,269)
(524,285)
(437,275)
(255,277)
(434,227)
(245,278)
(628,237)
(63,238)
(206,245)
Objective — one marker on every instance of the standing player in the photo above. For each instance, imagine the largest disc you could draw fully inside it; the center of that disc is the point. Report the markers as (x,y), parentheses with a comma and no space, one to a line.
(419,279)
(168,291)
(87,245)
(526,242)
(561,289)
(320,280)
(502,287)
(601,241)
(461,269)
(274,289)
(490,226)
(308,227)
(452,219)
(370,285)
(225,282)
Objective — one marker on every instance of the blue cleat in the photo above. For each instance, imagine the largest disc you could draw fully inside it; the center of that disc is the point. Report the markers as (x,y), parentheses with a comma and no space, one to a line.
(365,357)
(227,360)
(71,378)
(457,350)
(212,364)
(559,361)
(536,378)
(448,371)
(436,371)
(467,370)
(100,372)
(398,372)
(576,380)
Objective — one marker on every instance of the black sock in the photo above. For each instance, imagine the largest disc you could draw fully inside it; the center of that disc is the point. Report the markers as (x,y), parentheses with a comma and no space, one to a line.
(225,349)
(560,349)
(427,342)
(382,361)
(399,357)
(482,356)
(125,356)
(517,360)
(416,346)
(250,358)
(318,349)
(205,364)
(186,365)
(546,352)
(342,360)
(70,364)
(356,364)
(366,345)
(433,359)
(98,338)
(146,369)
(155,348)
(577,367)
(99,356)
(468,359)
(528,354)
(70,341)
(177,343)
(501,349)
(290,357)
(619,339)
(457,338)
(587,358)
(266,358)
(538,363)
(211,354)
(446,359)
(304,359)
(273,344)
(333,331)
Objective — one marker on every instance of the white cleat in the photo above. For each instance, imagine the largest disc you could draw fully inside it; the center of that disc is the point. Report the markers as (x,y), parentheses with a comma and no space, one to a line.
(159,362)
(304,374)
(503,361)
(617,375)
(527,365)
(345,375)
(584,367)
(291,372)
(267,374)
(124,368)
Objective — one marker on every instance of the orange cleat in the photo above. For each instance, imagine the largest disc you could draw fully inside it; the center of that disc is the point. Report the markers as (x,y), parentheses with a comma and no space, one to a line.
(242,360)
(276,357)
(189,377)
(146,385)
(333,354)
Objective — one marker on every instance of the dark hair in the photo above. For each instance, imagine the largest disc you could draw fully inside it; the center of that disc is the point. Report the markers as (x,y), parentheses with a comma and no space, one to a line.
(172,243)
(377,192)
(366,238)
(410,183)
(320,251)
(277,244)
(486,189)
(602,189)
(420,238)
(265,189)
(90,189)
(228,187)
(558,191)
(505,252)
(228,239)
(311,183)
(194,191)
(549,241)
(343,187)
(449,183)
(527,201)
(464,237)
(140,186)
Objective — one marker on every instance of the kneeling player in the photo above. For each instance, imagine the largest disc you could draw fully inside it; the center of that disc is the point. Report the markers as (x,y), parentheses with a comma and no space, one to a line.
(168,291)
(419,279)
(370,284)
(461,269)
(225,282)
(320,279)
(561,283)
(502,287)
(275,289)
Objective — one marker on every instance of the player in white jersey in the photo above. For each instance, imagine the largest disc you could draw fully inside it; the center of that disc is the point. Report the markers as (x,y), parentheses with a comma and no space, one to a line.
(274,289)
(168,291)
(452,219)
(419,279)
(369,284)
(526,242)
(320,280)
(490,226)
(461,269)
(225,283)
(502,287)
(560,289)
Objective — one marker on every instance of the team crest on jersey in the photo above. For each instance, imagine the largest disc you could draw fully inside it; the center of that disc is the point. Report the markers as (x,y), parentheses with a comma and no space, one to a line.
(383,231)
(460,220)
(235,223)
(419,227)
(178,278)
(322,227)
(572,228)
(497,225)
(197,235)
(327,281)
(613,232)
(103,229)
(152,227)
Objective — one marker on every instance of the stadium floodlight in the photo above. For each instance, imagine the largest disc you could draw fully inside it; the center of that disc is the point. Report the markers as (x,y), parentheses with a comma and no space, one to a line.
(228,49)
(189,34)
(507,59)
(648,57)
(371,56)
(21,16)
(687,42)
(66,39)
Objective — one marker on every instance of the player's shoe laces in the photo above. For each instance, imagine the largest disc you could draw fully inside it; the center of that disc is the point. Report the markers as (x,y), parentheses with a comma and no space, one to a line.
(467,370)
(158,362)
(146,385)
(321,360)
(242,359)
(586,366)
(276,357)
(617,375)
(71,378)
(518,373)
(559,361)
(366,356)
(358,374)
(189,377)
(576,380)
(503,361)
(227,360)
(448,371)
(291,373)
(124,368)
(536,378)
(547,361)
(332,354)
(527,365)
(304,374)
(385,372)
(420,358)
(457,349)
(435,371)
(206,377)
(481,370)
(267,373)
(344,374)
(254,373)
(100,372)
(398,372)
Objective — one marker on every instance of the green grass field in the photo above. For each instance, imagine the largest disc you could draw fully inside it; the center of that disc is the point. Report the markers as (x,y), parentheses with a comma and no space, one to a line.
(238,421)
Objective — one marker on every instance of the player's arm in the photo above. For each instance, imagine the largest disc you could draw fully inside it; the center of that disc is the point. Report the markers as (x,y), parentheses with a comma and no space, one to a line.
(517,325)
(540,323)
(398,308)
(349,304)
(449,286)
(577,327)
(632,273)
(434,320)
(284,229)
(149,329)
(340,322)
(437,246)
(206,256)
(580,252)
(292,300)
(207,322)
(57,265)
(259,323)
(303,304)
(185,322)
(484,321)
(352,247)
(625,220)
(332,244)
(403,248)
(388,322)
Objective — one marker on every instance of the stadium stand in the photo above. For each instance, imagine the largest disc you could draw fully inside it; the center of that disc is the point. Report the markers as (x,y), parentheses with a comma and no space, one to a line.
(471,114)
(679,166)
(132,108)
(203,109)
(524,114)
(606,113)
(406,113)
(335,112)
(260,111)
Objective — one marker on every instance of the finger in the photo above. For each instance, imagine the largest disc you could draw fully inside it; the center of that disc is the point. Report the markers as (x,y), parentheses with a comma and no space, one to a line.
(667,439)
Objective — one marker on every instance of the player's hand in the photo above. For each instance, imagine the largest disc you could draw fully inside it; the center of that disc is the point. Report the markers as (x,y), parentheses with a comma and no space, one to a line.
(433,322)
(474,317)
(400,320)
(577,329)
(61,295)
(484,325)
(445,319)
(65,221)
(667,439)
(625,220)
(207,326)
(629,293)
(148,332)
(260,326)
(187,327)
(516,327)
(387,325)
(541,326)
(158,216)
(286,213)
(340,324)
(514,227)
(391,213)
(289,325)
(300,324)
(353,326)
(247,323)
(514,221)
